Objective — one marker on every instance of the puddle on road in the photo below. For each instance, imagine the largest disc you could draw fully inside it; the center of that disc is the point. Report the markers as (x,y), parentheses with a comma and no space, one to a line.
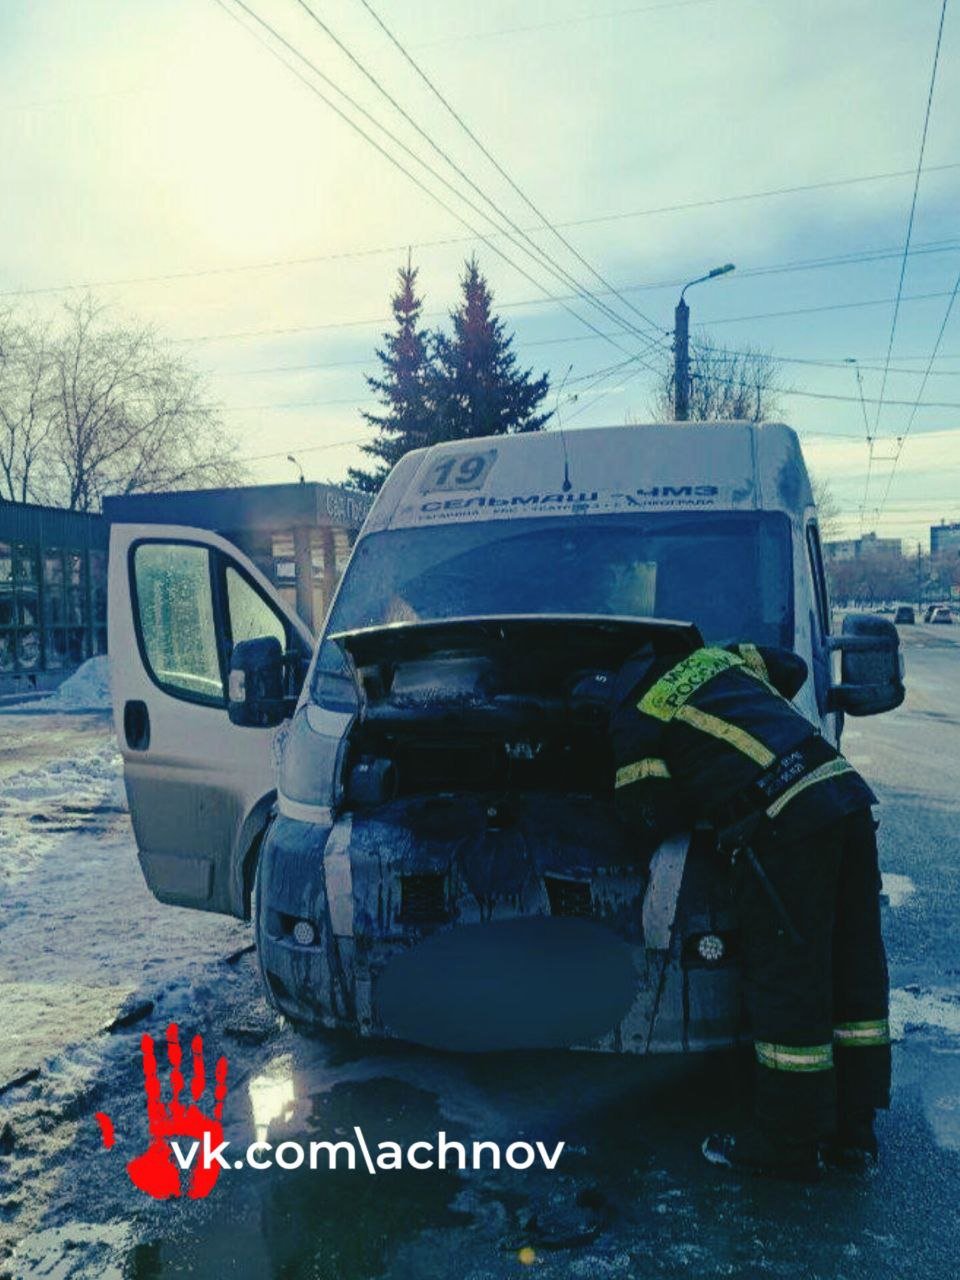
(616,1117)
(631,1195)
(272,1095)
(342,1224)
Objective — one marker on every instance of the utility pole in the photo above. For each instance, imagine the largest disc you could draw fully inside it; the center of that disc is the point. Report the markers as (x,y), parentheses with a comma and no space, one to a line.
(681,361)
(919,578)
(681,346)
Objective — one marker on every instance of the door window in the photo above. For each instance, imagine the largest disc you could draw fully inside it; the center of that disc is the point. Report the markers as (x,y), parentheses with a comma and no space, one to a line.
(820,623)
(819,579)
(176,619)
(251,617)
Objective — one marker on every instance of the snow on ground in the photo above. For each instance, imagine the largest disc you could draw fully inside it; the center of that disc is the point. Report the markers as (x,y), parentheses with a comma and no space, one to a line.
(81,931)
(56,798)
(88,689)
(897,888)
(81,940)
(915,1008)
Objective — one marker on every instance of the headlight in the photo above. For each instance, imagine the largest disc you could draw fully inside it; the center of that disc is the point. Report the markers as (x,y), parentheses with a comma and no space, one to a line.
(312,755)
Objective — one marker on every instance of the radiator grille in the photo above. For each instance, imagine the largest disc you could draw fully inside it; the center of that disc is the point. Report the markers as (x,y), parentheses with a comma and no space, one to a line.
(568,897)
(422,899)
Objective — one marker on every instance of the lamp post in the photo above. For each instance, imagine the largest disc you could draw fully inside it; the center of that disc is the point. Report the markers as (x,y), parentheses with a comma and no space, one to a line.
(681,345)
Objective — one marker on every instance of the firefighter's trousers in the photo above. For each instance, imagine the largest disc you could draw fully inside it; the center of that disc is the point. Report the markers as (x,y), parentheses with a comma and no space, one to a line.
(817,1002)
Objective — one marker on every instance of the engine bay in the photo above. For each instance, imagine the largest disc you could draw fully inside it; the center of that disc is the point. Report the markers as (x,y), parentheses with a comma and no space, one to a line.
(490,705)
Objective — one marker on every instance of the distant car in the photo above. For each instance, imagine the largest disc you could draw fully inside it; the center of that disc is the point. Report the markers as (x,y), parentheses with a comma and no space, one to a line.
(942,614)
(905,614)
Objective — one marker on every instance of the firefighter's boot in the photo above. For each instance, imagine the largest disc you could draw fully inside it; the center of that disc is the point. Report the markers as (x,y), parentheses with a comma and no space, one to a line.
(752,1151)
(854,1145)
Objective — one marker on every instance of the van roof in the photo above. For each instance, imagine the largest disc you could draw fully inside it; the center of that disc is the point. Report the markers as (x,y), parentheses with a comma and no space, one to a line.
(647,467)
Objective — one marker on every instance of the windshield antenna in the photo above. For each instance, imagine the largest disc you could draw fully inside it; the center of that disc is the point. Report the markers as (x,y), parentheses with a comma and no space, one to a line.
(566,486)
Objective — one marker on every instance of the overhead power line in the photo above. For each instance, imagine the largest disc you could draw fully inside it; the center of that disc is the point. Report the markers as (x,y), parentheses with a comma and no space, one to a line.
(301,404)
(532,250)
(386,154)
(594,380)
(715,354)
(597,377)
(832,306)
(917,403)
(767,194)
(913,207)
(906,404)
(839,363)
(851,258)
(485,151)
(306,448)
(598,374)
(530,302)
(536,250)
(272,264)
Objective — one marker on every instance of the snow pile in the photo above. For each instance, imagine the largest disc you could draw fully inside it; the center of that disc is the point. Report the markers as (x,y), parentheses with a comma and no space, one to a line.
(897,889)
(913,1008)
(88,689)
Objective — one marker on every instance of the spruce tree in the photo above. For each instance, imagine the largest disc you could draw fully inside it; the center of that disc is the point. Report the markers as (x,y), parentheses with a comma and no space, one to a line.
(479,391)
(403,388)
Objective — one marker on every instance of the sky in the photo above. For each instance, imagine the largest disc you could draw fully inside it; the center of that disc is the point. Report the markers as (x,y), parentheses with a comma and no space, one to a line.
(157,153)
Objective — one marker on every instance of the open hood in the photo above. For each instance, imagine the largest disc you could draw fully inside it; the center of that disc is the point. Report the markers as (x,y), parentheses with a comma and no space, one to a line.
(600,636)
(495,666)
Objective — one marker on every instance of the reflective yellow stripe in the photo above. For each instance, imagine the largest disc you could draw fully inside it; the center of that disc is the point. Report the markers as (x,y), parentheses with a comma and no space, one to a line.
(649,768)
(729,733)
(832,769)
(865,1034)
(788,1057)
(754,660)
(671,692)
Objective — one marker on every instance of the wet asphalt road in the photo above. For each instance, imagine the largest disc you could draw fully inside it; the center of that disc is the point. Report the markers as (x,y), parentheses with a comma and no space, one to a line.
(631,1196)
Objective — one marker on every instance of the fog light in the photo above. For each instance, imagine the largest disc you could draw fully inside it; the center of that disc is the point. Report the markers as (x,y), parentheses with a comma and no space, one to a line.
(305,935)
(710,948)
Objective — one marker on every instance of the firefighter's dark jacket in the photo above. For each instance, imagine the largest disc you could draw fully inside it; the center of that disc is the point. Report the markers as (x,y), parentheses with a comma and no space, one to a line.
(714,732)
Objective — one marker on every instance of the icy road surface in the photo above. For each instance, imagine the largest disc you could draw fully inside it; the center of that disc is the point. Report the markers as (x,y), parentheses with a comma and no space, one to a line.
(83,943)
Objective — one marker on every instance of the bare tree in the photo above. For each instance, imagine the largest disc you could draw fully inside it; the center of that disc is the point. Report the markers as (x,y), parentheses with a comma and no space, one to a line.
(829,516)
(27,411)
(724,384)
(99,407)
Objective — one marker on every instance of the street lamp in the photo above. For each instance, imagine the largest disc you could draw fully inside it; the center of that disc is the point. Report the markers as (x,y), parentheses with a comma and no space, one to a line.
(681,345)
(296,463)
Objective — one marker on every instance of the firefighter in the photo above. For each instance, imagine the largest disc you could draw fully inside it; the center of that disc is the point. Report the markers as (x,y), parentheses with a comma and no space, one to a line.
(713,736)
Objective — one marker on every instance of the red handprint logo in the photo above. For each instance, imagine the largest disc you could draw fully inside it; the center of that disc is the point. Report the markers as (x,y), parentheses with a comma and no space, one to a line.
(155,1171)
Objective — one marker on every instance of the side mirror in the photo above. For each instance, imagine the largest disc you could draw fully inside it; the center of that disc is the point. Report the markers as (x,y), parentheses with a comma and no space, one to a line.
(257,694)
(871,666)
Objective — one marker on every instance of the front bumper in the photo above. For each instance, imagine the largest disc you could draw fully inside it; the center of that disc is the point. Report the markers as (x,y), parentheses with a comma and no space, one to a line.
(452,922)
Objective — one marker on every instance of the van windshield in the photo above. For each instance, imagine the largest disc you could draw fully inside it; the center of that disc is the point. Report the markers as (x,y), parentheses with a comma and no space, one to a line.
(730,573)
